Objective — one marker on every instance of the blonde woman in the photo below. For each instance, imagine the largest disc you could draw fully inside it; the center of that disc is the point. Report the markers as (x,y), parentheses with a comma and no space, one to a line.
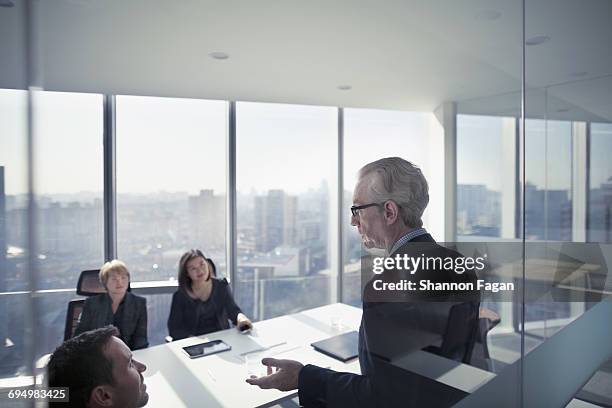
(122,309)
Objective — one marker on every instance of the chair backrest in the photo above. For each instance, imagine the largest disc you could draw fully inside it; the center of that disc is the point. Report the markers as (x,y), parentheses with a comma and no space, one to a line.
(487,320)
(75,307)
(89,283)
(461,329)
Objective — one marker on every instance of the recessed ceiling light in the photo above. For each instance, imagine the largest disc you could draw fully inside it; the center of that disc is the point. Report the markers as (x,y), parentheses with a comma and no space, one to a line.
(344,87)
(219,55)
(578,74)
(7,3)
(488,15)
(537,40)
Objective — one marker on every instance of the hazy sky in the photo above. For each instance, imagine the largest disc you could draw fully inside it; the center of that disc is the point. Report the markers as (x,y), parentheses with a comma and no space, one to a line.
(172,145)
(373,134)
(13,105)
(479,149)
(479,152)
(549,154)
(180,144)
(601,149)
(285,147)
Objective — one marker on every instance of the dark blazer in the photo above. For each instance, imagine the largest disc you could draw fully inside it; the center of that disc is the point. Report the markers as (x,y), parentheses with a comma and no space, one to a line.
(184,319)
(389,328)
(98,312)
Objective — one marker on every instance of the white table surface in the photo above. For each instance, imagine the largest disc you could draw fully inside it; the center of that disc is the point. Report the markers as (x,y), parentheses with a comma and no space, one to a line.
(174,380)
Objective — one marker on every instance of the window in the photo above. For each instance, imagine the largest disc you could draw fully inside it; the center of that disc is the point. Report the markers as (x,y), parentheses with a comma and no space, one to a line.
(286,162)
(548,169)
(548,207)
(69,185)
(485,176)
(370,135)
(171,175)
(600,184)
(68,129)
(13,189)
(13,230)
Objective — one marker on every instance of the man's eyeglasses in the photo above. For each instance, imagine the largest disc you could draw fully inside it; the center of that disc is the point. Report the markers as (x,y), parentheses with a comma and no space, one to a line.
(355,209)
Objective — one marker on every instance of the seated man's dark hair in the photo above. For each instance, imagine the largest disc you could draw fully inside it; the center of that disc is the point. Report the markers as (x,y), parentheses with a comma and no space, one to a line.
(80,364)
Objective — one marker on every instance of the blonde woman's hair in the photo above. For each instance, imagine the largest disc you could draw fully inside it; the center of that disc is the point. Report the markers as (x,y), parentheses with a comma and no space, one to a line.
(113,266)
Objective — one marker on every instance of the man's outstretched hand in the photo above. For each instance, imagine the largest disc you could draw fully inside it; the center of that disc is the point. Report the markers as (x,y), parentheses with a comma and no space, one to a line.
(284,378)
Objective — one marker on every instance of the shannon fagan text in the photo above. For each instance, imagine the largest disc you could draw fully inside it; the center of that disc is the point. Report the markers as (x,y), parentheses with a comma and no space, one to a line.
(427,285)
(424,263)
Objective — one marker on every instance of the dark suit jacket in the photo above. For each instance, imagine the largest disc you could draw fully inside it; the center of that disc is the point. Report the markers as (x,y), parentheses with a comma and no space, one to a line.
(389,328)
(184,319)
(98,312)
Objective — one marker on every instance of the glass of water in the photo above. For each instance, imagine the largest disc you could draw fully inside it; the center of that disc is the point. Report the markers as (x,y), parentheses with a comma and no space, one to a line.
(254,366)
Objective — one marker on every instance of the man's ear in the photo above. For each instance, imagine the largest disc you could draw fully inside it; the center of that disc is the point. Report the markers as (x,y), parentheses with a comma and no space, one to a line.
(101,396)
(391,210)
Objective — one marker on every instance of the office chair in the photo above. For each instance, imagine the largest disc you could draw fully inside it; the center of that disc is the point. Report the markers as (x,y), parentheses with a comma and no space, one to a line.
(88,285)
(75,307)
(460,334)
(487,320)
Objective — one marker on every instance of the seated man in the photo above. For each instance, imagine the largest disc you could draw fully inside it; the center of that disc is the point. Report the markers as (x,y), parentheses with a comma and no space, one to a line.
(99,371)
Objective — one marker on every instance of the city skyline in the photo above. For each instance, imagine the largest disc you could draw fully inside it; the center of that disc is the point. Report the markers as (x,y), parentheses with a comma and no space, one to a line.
(247,217)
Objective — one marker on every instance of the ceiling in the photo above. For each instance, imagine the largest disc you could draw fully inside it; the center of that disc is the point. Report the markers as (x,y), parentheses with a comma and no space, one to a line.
(405,55)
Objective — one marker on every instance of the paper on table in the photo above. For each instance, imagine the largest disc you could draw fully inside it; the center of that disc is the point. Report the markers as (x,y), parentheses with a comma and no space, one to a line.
(272,350)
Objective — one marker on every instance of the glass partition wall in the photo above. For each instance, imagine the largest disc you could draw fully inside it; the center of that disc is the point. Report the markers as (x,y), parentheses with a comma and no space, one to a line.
(507,115)
(568,82)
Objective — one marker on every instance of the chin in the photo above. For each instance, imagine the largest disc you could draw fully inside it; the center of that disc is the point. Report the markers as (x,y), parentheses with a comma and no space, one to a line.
(143,400)
(368,244)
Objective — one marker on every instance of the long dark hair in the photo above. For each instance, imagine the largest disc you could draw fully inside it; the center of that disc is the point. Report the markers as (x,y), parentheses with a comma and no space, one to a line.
(183,277)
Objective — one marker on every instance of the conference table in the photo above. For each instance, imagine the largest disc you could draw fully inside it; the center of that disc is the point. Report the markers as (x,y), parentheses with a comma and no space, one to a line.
(175,380)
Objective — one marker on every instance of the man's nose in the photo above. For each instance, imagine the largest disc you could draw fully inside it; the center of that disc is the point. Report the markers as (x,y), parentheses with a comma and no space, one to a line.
(355,220)
(140,366)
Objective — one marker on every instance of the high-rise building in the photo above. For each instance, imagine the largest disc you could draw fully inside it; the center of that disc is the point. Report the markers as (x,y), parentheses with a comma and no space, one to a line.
(548,214)
(478,210)
(275,220)
(71,228)
(206,214)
